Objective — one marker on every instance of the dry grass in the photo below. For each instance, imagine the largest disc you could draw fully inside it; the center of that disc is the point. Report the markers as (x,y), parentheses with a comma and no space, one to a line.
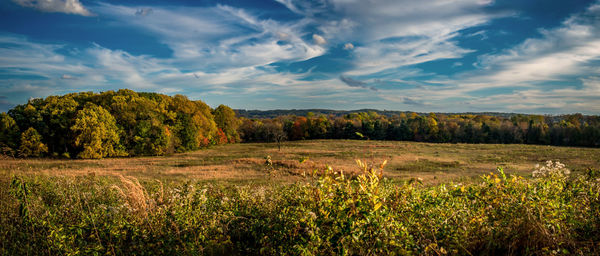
(243,163)
(135,195)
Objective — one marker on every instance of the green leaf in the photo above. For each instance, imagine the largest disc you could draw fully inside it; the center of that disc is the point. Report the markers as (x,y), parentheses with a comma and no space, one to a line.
(377,206)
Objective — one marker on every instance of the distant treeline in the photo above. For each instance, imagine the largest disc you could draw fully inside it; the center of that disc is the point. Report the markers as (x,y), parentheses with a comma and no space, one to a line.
(121,123)
(564,130)
(128,123)
(340,113)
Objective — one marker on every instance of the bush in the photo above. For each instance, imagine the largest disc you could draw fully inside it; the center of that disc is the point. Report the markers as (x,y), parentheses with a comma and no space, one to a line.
(332,213)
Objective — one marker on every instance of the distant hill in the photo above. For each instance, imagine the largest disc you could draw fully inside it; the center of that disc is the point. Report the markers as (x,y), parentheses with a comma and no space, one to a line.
(388,113)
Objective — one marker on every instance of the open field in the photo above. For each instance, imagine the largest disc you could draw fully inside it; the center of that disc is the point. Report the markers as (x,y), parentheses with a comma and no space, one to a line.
(243,163)
(226,201)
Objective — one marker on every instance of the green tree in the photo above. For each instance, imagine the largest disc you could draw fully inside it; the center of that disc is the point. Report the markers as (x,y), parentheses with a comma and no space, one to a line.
(9,133)
(31,144)
(96,132)
(227,121)
(143,118)
(195,126)
(58,114)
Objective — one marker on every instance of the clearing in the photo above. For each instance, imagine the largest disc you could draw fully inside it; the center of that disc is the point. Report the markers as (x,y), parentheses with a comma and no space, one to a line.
(245,162)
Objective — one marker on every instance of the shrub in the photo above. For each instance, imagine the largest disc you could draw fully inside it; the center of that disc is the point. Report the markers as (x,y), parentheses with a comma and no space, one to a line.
(331,213)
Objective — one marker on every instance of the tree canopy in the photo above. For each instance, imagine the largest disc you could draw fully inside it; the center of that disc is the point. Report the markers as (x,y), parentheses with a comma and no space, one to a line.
(125,122)
(114,123)
(96,132)
(31,144)
(565,130)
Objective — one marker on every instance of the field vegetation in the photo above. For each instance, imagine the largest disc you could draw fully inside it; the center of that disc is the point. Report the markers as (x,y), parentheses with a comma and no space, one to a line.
(120,173)
(245,162)
(330,212)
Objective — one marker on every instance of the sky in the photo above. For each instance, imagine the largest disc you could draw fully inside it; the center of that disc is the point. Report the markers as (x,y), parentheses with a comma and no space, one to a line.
(526,56)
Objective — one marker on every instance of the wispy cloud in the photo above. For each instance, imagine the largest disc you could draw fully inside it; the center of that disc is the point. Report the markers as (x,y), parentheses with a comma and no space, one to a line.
(569,49)
(326,53)
(395,33)
(356,83)
(64,6)
(220,36)
(144,12)
(319,39)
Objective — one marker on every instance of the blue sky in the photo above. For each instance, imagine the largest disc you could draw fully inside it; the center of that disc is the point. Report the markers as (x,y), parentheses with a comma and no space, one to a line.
(530,56)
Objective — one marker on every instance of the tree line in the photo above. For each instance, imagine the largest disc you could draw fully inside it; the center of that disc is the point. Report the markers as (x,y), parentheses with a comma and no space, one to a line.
(565,130)
(128,123)
(108,124)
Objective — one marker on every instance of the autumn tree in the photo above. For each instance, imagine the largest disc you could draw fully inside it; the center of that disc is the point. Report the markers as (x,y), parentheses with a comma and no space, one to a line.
(143,117)
(96,132)
(226,120)
(31,144)
(194,125)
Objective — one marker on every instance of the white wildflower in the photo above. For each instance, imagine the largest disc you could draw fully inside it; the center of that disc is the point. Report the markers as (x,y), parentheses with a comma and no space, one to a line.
(551,169)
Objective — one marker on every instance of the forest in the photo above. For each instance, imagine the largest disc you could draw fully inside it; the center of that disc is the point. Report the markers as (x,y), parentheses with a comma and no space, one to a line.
(565,130)
(128,123)
(109,124)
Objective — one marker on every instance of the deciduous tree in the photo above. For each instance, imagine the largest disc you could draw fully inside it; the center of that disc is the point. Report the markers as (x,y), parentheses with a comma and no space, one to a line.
(96,132)
(31,144)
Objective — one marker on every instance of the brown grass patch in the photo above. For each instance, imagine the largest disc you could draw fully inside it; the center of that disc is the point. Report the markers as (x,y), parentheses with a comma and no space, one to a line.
(246,162)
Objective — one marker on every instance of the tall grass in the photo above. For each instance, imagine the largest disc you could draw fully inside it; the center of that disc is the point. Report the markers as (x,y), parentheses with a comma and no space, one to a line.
(330,213)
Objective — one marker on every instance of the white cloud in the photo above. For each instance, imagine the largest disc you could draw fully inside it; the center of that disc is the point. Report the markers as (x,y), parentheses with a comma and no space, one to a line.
(319,39)
(219,36)
(131,71)
(568,99)
(520,75)
(567,50)
(225,53)
(379,56)
(42,69)
(399,18)
(23,57)
(64,6)
(394,33)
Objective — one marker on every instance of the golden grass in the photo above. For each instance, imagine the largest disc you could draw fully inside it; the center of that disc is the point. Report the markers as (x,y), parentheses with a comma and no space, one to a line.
(245,162)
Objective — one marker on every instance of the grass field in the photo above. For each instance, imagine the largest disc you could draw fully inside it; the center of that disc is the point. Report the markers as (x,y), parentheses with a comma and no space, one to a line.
(245,163)
(226,201)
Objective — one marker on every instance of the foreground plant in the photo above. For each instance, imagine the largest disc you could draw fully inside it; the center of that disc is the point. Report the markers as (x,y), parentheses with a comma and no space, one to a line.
(331,213)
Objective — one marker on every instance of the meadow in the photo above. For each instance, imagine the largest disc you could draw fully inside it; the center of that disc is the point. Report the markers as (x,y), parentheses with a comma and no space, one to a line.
(311,198)
(245,162)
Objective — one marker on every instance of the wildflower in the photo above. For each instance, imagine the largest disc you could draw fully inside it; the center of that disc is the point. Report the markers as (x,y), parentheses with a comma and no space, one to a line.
(551,169)
(312,215)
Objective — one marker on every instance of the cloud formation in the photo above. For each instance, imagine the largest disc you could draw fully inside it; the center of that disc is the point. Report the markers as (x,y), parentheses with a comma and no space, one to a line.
(63,6)
(566,50)
(319,39)
(143,12)
(220,36)
(356,83)
(422,55)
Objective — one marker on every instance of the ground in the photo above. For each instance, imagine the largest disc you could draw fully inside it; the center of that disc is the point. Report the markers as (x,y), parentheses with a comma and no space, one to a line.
(245,162)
